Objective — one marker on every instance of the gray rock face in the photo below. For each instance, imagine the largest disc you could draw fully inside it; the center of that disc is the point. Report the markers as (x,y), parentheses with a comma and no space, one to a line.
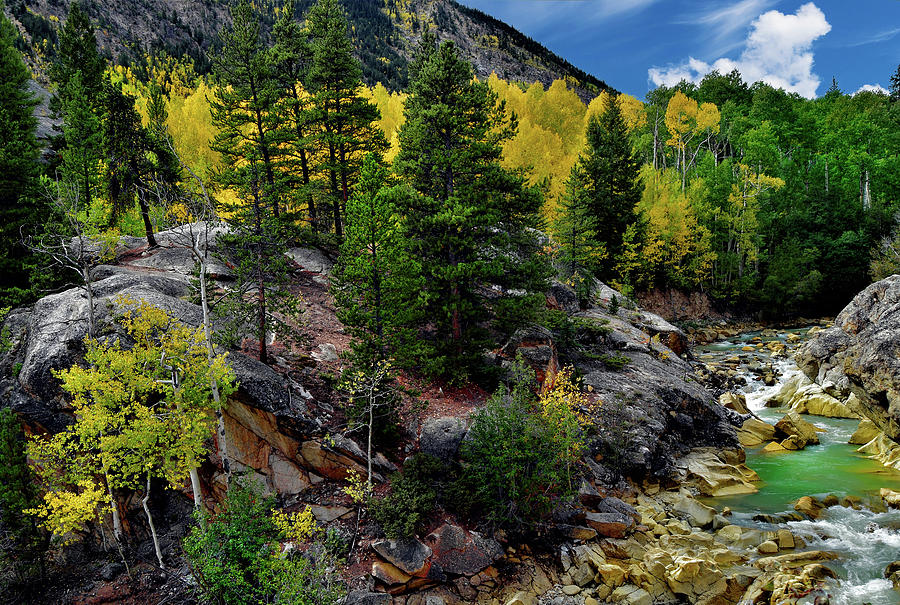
(646,408)
(409,555)
(364,597)
(649,413)
(441,437)
(312,260)
(860,354)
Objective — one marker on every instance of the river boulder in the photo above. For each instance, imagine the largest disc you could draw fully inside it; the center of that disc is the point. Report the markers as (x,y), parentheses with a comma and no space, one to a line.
(804,396)
(792,425)
(859,354)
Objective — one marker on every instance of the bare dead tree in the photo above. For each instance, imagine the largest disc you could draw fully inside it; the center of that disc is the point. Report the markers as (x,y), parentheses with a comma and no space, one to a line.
(70,246)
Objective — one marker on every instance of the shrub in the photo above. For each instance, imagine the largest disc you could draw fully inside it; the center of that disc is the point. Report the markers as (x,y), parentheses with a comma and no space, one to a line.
(519,458)
(22,545)
(235,556)
(412,497)
(613,307)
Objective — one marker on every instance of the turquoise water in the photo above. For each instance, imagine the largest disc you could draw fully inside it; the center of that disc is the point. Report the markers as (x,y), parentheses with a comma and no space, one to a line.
(867,541)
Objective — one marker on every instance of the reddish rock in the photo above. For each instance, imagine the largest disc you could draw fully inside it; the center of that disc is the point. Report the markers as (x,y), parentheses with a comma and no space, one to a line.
(457,551)
(610,525)
(328,463)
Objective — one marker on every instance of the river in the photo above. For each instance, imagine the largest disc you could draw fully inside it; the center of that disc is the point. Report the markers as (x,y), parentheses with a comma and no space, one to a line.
(866,540)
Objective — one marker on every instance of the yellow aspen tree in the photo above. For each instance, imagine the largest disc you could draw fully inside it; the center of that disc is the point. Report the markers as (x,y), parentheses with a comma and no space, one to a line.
(142,412)
(691,126)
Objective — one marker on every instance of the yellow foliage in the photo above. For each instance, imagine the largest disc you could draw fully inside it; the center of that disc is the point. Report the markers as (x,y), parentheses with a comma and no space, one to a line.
(565,409)
(296,527)
(63,513)
(191,127)
(358,489)
(681,116)
(676,242)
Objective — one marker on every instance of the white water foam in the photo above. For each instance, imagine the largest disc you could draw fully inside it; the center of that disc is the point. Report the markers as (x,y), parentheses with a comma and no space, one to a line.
(757,393)
(866,546)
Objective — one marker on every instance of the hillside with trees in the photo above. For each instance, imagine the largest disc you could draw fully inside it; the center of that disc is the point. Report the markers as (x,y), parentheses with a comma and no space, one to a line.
(384,34)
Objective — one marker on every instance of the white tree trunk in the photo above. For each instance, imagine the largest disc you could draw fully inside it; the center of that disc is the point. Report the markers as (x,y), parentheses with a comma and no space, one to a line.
(144,501)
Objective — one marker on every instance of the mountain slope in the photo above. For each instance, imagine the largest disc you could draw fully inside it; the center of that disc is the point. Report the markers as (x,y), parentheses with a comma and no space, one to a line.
(385,31)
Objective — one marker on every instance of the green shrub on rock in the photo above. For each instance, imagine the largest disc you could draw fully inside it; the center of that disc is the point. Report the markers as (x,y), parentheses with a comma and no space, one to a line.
(412,497)
(520,455)
(235,557)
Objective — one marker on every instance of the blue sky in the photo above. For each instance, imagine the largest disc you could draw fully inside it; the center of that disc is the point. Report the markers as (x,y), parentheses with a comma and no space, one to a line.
(637,44)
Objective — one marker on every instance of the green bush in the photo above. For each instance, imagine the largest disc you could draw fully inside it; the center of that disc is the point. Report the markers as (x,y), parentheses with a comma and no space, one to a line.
(613,307)
(412,497)
(519,457)
(23,545)
(235,557)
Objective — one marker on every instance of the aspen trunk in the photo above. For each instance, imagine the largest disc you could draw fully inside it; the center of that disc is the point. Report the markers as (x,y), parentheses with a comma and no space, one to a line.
(144,502)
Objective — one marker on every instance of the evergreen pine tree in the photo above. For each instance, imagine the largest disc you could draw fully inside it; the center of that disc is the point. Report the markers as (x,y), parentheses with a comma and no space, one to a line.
(257,245)
(576,231)
(469,226)
(344,119)
(78,75)
(126,147)
(376,281)
(77,53)
(895,85)
(18,166)
(83,137)
(610,180)
(243,108)
(292,55)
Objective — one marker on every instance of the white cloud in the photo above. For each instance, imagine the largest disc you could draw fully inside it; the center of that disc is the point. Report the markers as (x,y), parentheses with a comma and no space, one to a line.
(723,23)
(777,51)
(873,88)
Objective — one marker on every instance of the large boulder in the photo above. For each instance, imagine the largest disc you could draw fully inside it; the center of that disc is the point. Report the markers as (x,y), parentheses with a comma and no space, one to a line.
(460,552)
(650,413)
(804,396)
(792,425)
(859,354)
(755,432)
(441,437)
(713,472)
(409,555)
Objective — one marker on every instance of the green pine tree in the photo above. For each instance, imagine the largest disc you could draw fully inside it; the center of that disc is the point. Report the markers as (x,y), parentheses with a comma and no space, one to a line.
(243,109)
(127,150)
(18,167)
(77,53)
(82,154)
(292,56)
(376,280)
(345,120)
(469,225)
(895,85)
(610,180)
(576,232)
